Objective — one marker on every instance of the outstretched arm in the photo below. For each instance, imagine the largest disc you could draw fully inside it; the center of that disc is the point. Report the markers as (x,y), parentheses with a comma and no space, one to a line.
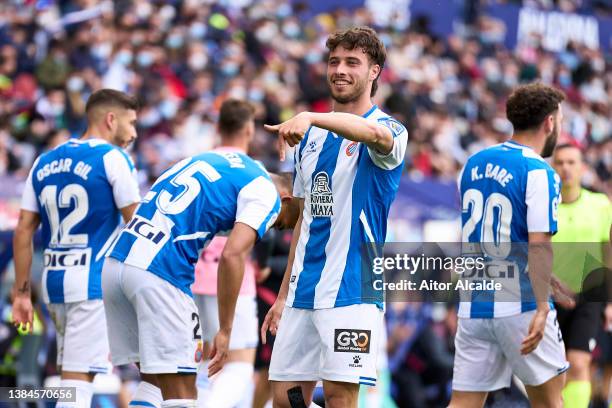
(348,125)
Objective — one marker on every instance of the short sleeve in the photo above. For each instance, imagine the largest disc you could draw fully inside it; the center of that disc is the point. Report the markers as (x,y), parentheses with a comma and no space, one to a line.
(29,201)
(258,205)
(121,175)
(400,140)
(542,197)
(298,180)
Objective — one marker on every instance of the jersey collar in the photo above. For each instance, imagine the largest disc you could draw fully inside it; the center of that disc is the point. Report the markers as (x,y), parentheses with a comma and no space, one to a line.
(368,113)
(515,144)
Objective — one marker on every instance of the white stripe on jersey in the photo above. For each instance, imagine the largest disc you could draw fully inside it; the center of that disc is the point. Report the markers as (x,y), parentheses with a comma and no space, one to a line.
(108,243)
(536,198)
(340,231)
(300,251)
(195,235)
(366,226)
(143,251)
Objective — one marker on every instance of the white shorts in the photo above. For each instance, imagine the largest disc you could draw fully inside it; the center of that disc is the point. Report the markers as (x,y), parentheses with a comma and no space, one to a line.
(338,344)
(150,321)
(82,343)
(245,330)
(487,353)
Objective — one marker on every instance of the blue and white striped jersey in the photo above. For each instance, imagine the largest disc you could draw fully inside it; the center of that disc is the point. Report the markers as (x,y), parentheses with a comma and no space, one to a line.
(78,189)
(507,191)
(191,202)
(347,190)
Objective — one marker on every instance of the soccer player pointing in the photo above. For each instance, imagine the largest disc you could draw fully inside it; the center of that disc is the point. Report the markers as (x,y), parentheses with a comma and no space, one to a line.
(347,169)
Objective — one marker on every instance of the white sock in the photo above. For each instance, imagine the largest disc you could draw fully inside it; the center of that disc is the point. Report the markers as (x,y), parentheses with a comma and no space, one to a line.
(229,386)
(313,405)
(179,403)
(84,394)
(146,395)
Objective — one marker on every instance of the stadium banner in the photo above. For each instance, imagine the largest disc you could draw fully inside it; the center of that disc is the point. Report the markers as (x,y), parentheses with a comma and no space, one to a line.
(554,28)
(493,272)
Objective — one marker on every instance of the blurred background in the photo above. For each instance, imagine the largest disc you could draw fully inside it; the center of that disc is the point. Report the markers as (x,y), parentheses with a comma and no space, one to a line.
(450,66)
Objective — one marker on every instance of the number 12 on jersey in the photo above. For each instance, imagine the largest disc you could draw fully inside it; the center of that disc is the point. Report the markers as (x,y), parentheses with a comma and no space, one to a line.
(61,228)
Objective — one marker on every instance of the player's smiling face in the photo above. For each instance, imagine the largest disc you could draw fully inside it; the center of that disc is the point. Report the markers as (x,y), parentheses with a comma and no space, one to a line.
(350,74)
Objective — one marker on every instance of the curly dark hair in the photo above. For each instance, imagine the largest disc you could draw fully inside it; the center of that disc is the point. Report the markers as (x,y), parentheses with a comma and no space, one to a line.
(361,37)
(529,105)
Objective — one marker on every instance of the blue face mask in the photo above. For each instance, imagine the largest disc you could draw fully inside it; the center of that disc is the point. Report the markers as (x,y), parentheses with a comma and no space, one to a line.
(565,80)
(312,57)
(125,58)
(291,30)
(256,94)
(230,69)
(149,119)
(174,41)
(168,109)
(145,59)
(197,31)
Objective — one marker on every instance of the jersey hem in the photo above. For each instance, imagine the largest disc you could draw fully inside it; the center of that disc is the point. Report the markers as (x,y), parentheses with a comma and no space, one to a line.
(497,315)
(337,303)
(156,273)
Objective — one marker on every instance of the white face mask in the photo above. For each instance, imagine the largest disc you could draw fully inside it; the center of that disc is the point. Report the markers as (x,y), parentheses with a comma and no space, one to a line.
(197,61)
(75,84)
(102,50)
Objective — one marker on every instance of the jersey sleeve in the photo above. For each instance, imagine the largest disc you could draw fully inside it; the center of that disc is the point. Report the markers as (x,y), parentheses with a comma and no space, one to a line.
(542,199)
(400,140)
(298,180)
(258,205)
(121,175)
(29,201)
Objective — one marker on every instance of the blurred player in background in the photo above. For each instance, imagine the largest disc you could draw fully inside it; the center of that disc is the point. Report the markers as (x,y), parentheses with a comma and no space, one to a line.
(497,338)
(236,128)
(347,169)
(147,277)
(584,217)
(78,191)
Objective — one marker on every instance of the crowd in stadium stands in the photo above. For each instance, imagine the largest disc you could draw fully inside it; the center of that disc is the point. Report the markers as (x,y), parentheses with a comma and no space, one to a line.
(183,58)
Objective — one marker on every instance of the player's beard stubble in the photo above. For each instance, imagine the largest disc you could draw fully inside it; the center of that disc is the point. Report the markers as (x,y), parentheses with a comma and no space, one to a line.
(359,87)
(551,142)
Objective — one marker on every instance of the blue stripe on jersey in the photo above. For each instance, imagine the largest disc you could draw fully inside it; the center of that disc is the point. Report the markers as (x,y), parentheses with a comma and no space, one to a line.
(141,404)
(367,378)
(302,145)
(369,112)
(482,304)
(122,248)
(527,296)
(315,257)
(55,285)
(350,285)
(262,228)
(552,223)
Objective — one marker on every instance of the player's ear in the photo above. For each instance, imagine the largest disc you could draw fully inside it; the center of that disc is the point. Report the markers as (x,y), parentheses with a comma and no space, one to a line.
(374,71)
(550,123)
(110,120)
